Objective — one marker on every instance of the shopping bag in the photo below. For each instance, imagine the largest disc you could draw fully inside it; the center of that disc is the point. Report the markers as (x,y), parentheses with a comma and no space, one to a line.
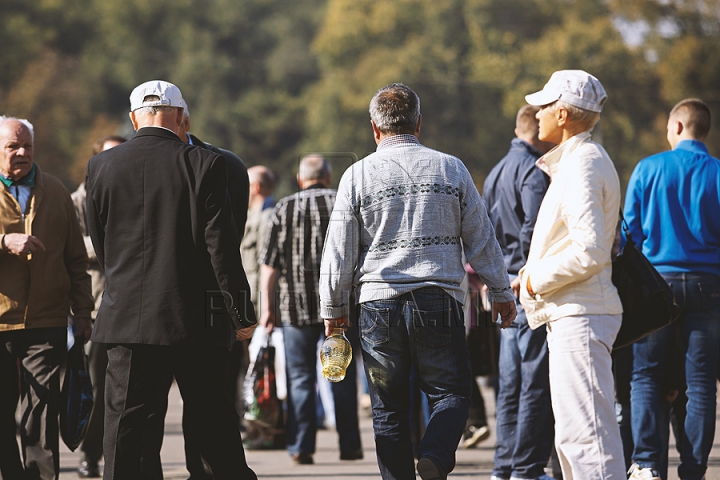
(260,391)
(646,297)
(76,401)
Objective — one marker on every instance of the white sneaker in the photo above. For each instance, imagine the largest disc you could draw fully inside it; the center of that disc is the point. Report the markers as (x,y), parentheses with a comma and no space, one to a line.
(637,473)
(498,478)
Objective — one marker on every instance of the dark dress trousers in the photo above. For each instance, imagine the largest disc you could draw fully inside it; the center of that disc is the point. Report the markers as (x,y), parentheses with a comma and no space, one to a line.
(160,221)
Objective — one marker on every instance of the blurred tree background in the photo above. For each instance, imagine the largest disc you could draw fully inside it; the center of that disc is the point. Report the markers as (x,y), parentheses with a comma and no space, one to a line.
(273,79)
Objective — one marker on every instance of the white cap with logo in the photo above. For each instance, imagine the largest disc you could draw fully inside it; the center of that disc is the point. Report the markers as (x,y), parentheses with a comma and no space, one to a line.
(574,87)
(168,93)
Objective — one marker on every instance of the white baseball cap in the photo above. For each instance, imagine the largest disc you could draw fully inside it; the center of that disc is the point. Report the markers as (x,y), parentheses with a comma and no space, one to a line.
(574,87)
(169,94)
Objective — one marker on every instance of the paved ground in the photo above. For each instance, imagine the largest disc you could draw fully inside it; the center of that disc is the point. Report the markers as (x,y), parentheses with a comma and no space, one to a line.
(471,464)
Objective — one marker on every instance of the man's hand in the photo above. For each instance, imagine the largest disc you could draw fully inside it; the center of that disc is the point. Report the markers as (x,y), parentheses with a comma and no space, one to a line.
(22,244)
(331,323)
(507,312)
(515,285)
(245,333)
(267,320)
(83,328)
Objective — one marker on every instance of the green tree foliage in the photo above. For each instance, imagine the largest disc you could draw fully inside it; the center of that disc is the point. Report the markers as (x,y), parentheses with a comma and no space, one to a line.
(271,79)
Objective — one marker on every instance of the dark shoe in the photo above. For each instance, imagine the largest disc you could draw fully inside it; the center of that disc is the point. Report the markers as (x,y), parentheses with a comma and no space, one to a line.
(88,470)
(303,459)
(475,434)
(429,470)
(352,454)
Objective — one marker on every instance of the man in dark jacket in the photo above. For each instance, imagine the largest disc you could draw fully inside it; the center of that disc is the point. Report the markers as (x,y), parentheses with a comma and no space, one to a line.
(162,229)
(238,187)
(513,192)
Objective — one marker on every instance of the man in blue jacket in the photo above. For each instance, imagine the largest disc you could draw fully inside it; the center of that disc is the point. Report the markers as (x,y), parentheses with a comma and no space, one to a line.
(513,192)
(672,207)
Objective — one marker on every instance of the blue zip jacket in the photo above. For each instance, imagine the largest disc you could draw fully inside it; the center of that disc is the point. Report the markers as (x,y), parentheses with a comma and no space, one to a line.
(672,208)
(513,192)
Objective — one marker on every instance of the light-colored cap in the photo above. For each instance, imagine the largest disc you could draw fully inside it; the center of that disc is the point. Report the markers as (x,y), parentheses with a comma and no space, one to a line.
(574,87)
(169,94)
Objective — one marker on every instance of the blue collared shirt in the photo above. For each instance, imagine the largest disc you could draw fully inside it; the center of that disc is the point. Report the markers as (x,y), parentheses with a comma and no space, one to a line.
(672,207)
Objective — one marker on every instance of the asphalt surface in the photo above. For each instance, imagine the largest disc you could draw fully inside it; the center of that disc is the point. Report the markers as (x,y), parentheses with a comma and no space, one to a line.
(474,463)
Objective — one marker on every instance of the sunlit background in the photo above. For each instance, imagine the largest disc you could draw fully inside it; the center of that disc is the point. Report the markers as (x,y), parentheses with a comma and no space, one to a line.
(271,79)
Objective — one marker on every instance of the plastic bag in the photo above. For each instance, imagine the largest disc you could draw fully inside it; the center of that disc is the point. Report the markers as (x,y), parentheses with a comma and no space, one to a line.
(259,390)
(76,398)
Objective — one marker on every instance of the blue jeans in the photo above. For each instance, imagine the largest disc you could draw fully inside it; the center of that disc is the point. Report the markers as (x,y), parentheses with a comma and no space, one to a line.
(699,328)
(525,425)
(422,330)
(301,353)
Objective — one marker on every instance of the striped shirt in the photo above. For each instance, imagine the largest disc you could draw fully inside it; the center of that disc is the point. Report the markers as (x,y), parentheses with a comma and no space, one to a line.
(294,246)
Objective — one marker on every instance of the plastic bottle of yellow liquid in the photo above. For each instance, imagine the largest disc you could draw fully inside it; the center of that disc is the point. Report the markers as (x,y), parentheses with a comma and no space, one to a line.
(335,355)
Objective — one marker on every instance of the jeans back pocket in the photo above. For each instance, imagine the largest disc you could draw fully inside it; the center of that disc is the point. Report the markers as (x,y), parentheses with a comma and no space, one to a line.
(374,324)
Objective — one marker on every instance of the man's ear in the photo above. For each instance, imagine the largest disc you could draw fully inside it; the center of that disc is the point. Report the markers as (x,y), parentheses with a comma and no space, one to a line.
(561,115)
(417,128)
(134,122)
(376,132)
(679,127)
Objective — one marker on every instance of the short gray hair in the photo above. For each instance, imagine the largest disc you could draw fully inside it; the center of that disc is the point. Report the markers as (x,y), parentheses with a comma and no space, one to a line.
(586,118)
(314,167)
(154,110)
(395,109)
(27,124)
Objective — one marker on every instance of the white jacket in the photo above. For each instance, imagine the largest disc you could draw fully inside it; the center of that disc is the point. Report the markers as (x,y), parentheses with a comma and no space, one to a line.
(569,263)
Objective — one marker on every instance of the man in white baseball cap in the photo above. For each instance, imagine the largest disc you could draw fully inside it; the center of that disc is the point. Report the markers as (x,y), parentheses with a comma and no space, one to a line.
(566,283)
(574,87)
(168,95)
(162,227)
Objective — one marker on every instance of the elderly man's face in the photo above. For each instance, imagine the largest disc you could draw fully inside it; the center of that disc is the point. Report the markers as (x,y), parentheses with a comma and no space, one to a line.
(16,156)
(548,128)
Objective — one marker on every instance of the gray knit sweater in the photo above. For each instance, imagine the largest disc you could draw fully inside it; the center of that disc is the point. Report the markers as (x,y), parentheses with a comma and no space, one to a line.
(402,219)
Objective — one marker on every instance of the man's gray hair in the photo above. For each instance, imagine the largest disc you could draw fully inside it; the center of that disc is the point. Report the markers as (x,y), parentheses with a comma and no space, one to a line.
(395,109)
(314,167)
(27,124)
(586,118)
(154,110)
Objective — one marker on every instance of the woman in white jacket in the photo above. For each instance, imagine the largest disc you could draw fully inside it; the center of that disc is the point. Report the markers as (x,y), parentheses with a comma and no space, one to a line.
(566,282)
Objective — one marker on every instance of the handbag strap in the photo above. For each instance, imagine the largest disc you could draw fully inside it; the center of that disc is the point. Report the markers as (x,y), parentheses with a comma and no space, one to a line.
(625,228)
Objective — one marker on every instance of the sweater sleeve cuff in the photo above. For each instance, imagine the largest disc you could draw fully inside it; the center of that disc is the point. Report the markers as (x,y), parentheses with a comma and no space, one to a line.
(332,311)
(502,295)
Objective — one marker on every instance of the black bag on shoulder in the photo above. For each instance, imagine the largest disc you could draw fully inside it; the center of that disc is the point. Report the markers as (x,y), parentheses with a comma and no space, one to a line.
(646,297)
(76,398)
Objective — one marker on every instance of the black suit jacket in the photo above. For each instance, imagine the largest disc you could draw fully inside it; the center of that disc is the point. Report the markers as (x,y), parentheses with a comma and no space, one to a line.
(162,228)
(238,183)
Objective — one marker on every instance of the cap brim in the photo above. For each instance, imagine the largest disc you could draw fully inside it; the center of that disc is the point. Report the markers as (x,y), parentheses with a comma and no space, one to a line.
(543,97)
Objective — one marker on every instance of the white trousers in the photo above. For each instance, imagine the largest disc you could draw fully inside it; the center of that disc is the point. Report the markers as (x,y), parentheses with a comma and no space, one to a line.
(587,436)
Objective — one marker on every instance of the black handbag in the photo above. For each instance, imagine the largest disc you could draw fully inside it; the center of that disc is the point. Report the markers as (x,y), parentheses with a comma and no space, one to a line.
(76,398)
(647,299)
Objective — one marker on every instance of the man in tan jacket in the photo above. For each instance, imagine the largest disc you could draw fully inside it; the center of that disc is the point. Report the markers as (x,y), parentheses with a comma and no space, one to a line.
(43,264)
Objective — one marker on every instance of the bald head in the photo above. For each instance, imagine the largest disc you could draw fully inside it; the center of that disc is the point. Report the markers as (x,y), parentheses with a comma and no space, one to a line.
(314,169)
(262,176)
